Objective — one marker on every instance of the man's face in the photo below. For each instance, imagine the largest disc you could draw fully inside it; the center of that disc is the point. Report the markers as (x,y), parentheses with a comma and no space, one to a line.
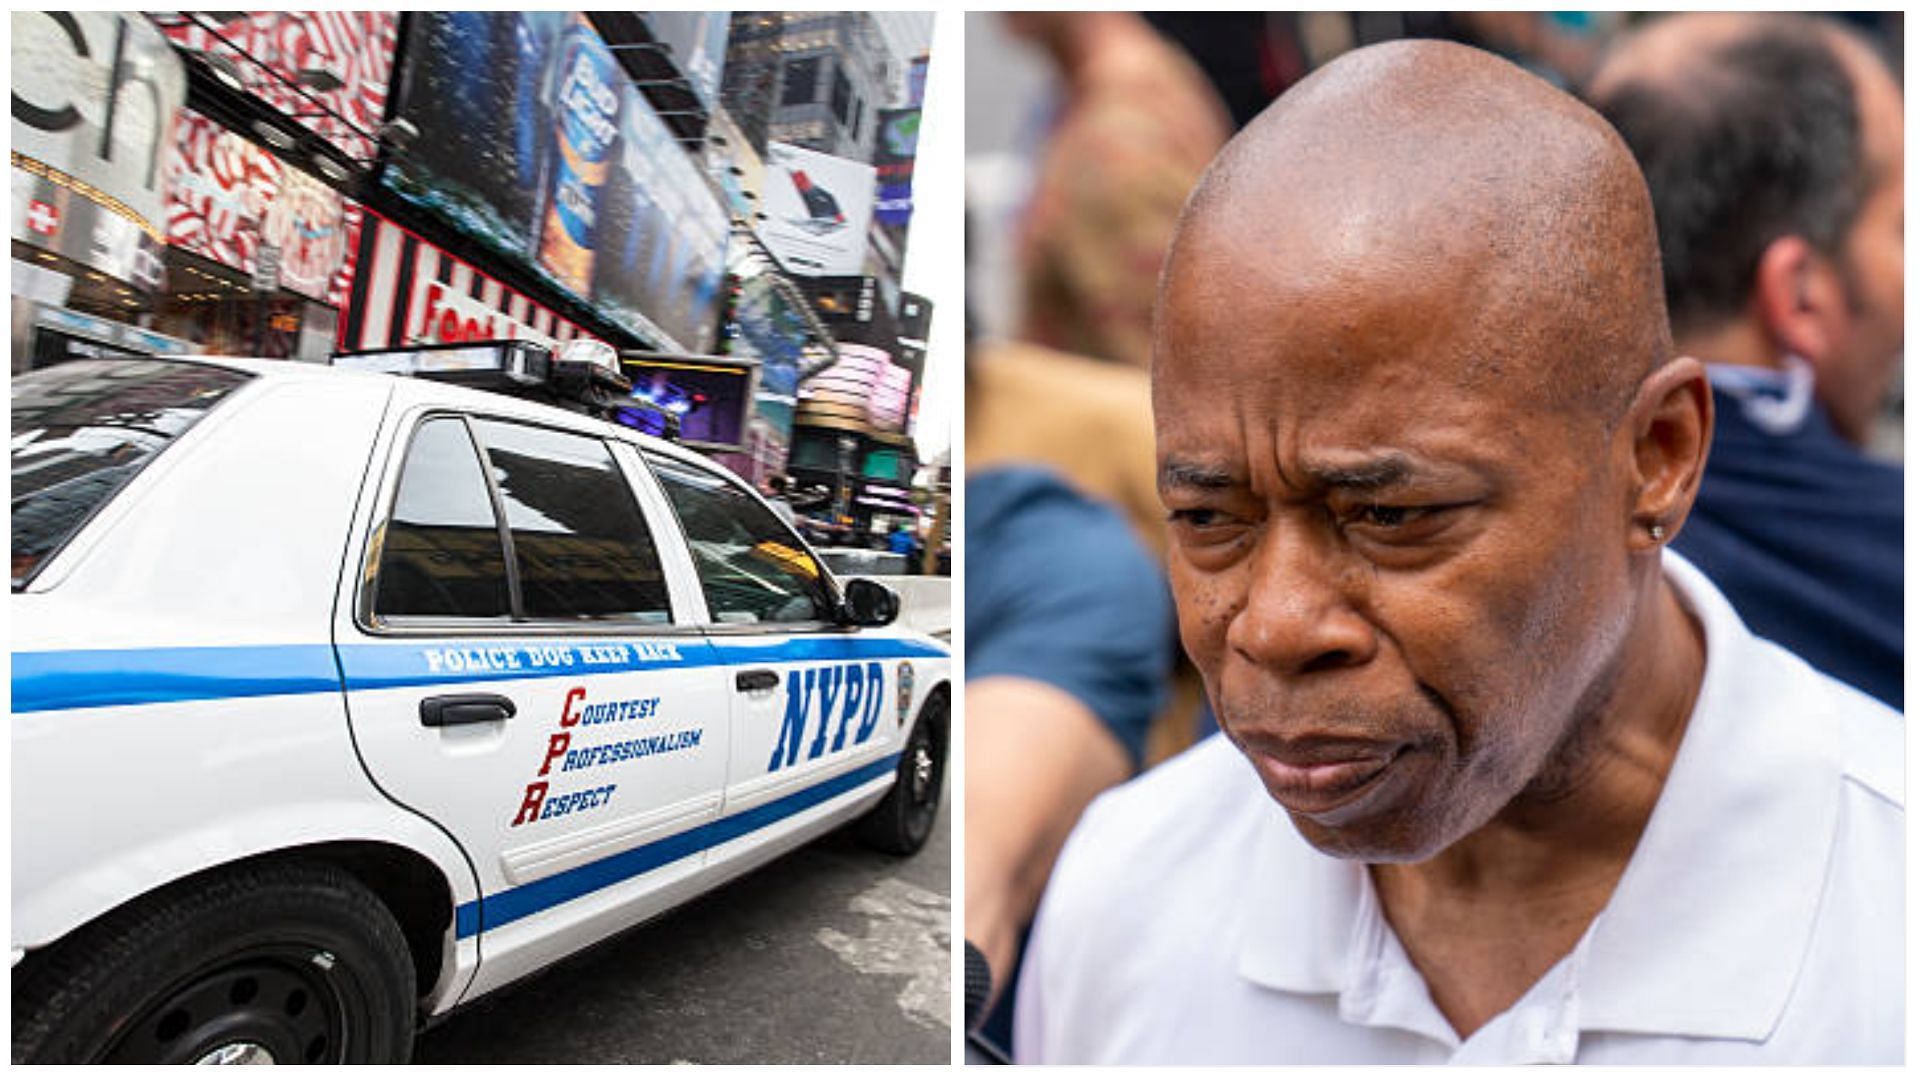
(1872,266)
(1402,576)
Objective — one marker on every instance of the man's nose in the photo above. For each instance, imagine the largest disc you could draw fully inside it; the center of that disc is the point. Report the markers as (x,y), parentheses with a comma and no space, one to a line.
(1301,616)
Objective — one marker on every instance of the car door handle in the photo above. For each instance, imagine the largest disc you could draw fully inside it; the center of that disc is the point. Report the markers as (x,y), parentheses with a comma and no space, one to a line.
(760,679)
(449,709)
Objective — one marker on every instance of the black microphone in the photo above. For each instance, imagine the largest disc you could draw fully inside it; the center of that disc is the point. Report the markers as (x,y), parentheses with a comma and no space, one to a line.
(979,989)
(979,986)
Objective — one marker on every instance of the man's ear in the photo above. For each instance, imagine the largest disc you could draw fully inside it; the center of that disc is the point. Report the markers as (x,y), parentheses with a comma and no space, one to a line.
(1671,420)
(1800,298)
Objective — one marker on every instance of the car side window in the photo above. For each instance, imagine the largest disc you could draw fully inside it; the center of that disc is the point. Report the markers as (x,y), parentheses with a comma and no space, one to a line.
(753,568)
(441,555)
(581,548)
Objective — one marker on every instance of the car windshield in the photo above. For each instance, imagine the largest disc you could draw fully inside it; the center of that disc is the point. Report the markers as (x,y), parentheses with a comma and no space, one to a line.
(83,429)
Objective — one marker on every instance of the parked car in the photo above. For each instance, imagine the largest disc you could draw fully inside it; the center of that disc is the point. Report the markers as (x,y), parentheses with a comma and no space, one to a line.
(342,698)
(864,561)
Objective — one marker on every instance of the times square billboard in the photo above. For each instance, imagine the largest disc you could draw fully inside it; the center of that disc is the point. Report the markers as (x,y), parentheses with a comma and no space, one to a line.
(532,141)
(818,207)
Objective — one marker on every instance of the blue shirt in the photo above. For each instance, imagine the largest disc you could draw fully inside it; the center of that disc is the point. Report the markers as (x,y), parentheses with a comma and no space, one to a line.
(1059,590)
(1802,532)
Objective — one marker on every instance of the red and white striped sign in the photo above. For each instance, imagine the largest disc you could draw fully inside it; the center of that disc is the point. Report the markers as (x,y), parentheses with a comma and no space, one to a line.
(408,292)
(219,186)
(225,196)
(353,47)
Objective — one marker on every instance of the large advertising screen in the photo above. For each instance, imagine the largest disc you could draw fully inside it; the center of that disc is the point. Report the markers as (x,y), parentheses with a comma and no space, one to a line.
(864,384)
(532,142)
(818,208)
(896,144)
(711,396)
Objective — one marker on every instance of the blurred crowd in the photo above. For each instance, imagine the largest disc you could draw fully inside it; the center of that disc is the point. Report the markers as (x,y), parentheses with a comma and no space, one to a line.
(1773,148)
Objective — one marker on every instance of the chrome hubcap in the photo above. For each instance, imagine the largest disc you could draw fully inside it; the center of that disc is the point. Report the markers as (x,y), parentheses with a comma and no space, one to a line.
(922,769)
(236,1054)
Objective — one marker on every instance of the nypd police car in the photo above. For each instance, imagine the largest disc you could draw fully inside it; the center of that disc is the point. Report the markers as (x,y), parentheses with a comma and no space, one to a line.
(341,699)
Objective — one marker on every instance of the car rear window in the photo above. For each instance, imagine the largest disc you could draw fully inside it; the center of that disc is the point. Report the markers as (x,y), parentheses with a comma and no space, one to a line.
(581,547)
(83,429)
(442,555)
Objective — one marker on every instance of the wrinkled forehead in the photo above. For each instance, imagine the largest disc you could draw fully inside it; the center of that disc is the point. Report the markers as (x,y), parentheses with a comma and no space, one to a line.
(1268,388)
(1310,304)
(1531,291)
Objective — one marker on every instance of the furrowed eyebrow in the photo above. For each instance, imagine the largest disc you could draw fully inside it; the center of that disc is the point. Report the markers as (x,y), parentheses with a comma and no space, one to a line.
(1369,476)
(1381,473)
(1178,474)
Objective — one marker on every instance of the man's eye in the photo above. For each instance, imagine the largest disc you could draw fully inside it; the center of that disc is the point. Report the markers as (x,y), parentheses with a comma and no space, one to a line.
(1204,524)
(1400,524)
(1196,517)
(1386,517)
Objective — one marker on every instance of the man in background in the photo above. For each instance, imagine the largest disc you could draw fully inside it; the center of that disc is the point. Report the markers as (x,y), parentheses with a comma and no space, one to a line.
(1772,145)
(1137,123)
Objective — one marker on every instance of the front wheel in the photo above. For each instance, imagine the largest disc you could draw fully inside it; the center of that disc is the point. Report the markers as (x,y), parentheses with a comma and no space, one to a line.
(903,821)
(282,963)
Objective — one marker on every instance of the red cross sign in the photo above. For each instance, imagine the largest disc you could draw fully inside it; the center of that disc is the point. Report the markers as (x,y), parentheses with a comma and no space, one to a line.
(42,218)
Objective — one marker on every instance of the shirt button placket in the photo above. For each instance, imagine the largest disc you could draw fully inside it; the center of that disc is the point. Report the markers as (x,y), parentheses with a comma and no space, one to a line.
(1560,1036)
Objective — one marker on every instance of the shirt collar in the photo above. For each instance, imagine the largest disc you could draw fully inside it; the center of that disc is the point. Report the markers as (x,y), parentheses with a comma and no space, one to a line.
(1776,401)
(1706,931)
(1734,856)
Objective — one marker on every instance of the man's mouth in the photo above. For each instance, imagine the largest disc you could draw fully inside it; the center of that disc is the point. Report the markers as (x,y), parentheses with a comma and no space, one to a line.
(1320,779)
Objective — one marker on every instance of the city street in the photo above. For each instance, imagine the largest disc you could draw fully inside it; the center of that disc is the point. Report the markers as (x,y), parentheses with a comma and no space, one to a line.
(832,954)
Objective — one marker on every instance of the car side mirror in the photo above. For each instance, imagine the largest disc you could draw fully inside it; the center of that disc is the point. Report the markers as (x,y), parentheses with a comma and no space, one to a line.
(868,604)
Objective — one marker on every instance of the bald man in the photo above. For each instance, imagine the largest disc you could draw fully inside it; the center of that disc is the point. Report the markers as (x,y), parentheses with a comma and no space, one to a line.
(1772,144)
(1501,780)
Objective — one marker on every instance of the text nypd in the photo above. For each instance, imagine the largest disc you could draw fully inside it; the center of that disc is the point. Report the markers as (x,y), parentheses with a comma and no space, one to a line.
(830,700)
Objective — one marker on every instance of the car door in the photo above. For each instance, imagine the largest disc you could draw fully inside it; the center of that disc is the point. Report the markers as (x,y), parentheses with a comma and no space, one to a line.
(816,706)
(523,668)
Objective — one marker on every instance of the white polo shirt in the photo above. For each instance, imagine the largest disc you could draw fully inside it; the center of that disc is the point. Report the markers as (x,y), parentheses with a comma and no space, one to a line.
(1760,920)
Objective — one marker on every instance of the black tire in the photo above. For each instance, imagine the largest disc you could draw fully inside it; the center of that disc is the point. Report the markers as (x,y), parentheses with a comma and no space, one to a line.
(903,821)
(297,959)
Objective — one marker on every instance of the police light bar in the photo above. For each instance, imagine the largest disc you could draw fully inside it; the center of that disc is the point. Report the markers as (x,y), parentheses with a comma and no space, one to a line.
(481,364)
(594,354)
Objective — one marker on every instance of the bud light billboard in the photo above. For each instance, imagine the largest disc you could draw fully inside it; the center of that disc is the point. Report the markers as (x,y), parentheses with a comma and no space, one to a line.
(529,138)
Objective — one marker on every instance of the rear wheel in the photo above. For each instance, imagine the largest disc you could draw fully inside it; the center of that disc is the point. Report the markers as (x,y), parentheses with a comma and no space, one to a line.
(903,821)
(283,963)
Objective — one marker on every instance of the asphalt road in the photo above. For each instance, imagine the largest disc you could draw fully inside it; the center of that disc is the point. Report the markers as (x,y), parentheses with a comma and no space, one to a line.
(831,954)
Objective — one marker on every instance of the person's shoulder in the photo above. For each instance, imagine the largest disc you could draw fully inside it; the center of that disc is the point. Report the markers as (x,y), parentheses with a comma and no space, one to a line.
(1867,736)
(1165,829)
(1211,778)
(1041,508)
(1873,741)
(1035,397)
(1020,490)
(1139,881)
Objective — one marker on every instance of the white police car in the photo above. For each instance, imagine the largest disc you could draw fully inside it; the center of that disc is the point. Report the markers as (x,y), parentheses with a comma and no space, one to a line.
(340,699)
